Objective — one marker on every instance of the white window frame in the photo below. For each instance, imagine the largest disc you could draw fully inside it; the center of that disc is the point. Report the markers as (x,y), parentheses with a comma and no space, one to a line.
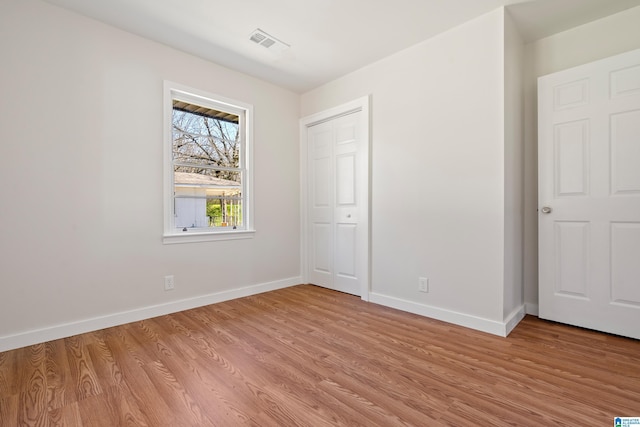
(187,94)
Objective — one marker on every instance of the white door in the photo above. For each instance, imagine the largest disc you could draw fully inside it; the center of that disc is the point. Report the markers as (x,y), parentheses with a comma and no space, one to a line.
(337,223)
(589,195)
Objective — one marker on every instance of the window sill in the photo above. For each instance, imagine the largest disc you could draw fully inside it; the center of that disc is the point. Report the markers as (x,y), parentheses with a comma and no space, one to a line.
(206,236)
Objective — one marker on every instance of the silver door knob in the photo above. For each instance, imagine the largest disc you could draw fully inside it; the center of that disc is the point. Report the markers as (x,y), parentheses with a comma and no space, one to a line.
(546,209)
(348,215)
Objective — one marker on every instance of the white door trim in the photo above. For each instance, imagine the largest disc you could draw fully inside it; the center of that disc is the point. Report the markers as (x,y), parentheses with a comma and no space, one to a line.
(360,104)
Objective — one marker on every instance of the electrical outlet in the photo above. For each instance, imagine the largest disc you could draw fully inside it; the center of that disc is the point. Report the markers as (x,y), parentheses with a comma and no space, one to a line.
(423,284)
(169,283)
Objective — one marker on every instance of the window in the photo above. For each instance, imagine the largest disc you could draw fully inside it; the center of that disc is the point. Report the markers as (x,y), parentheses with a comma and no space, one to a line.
(207,173)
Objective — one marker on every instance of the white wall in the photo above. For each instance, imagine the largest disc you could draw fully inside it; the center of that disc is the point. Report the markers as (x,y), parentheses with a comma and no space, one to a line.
(599,39)
(81,179)
(514,167)
(438,171)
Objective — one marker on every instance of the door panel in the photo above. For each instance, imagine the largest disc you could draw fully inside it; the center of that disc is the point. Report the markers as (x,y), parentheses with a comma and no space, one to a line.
(321,190)
(571,94)
(346,250)
(321,261)
(625,81)
(346,180)
(571,158)
(346,132)
(625,152)
(589,195)
(571,244)
(625,265)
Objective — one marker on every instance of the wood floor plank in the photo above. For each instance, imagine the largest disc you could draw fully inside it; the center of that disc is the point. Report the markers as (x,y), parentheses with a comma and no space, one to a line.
(139,388)
(66,416)
(207,391)
(104,363)
(8,373)
(114,407)
(81,368)
(32,396)
(151,347)
(309,356)
(9,411)
(58,375)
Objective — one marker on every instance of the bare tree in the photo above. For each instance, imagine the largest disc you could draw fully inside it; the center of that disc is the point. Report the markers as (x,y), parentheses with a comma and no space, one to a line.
(202,143)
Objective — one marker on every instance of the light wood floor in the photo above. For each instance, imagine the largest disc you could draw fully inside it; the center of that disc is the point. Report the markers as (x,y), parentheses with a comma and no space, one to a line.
(310,356)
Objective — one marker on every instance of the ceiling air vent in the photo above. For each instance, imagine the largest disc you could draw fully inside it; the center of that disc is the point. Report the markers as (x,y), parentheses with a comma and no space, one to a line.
(263,39)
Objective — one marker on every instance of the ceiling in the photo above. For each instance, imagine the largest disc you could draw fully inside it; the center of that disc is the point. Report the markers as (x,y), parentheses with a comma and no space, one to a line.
(327,38)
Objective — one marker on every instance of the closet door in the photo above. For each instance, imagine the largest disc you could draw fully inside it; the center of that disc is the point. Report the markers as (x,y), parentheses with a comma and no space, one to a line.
(337,204)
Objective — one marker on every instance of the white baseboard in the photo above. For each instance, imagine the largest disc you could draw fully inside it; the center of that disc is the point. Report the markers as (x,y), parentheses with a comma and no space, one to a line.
(531,309)
(37,336)
(478,323)
(512,320)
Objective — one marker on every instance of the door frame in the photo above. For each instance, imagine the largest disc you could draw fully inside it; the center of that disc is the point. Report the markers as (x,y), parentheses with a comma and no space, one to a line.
(363,105)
